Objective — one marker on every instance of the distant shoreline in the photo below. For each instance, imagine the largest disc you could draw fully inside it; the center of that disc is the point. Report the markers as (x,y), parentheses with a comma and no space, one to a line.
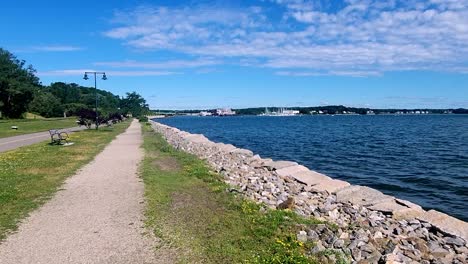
(315,110)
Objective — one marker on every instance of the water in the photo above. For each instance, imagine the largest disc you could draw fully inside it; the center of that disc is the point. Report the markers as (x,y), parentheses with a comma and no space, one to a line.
(423,159)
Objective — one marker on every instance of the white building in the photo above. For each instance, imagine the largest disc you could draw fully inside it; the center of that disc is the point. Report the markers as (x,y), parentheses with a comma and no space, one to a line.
(225,112)
(205,113)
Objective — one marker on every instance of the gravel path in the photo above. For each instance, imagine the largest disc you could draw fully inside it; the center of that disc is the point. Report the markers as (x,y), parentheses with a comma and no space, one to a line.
(97,218)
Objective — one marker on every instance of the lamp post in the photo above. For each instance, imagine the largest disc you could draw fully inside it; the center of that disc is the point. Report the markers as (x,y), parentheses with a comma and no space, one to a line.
(104,77)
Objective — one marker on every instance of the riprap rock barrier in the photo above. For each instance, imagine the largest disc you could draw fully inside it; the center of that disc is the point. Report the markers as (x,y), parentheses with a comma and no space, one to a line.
(372,227)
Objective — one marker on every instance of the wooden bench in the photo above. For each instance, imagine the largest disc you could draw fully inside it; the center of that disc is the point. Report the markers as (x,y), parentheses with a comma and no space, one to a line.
(57,137)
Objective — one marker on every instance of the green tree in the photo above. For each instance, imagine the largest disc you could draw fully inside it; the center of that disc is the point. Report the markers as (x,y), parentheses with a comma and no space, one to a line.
(17,85)
(46,104)
(134,104)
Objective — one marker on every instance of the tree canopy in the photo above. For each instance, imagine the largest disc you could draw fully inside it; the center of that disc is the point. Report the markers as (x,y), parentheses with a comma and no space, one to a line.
(21,91)
(17,85)
(134,104)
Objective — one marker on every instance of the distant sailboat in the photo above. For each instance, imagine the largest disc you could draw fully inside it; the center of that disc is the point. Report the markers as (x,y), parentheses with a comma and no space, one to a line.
(281,112)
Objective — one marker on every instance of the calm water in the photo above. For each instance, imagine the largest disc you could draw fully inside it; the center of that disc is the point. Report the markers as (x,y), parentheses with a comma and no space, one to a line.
(423,159)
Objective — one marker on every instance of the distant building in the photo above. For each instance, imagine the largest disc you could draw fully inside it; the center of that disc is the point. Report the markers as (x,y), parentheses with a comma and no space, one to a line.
(224,112)
(205,113)
(290,112)
(370,112)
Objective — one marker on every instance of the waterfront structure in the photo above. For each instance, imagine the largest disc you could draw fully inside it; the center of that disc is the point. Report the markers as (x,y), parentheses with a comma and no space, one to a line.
(281,112)
(205,113)
(224,112)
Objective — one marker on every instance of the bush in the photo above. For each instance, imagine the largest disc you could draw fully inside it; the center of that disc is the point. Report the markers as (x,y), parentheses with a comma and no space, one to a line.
(143,119)
(86,117)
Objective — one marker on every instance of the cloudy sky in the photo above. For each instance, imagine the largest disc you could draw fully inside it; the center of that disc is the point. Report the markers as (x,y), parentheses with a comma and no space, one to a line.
(204,54)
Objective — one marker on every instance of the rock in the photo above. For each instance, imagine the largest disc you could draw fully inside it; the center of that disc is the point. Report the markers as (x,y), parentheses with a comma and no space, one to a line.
(410,254)
(334,214)
(390,259)
(461,250)
(356,253)
(407,213)
(196,138)
(330,186)
(439,252)
(302,236)
(368,248)
(388,206)
(446,223)
(397,231)
(374,257)
(277,165)
(389,247)
(224,147)
(309,178)
(244,152)
(290,170)
(317,248)
(320,228)
(454,241)
(361,195)
(378,235)
(312,235)
(339,243)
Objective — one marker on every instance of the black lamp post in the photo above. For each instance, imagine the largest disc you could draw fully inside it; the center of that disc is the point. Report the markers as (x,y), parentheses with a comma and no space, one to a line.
(104,77)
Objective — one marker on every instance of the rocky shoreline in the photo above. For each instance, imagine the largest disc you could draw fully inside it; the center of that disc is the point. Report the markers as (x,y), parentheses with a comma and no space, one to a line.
(371,227)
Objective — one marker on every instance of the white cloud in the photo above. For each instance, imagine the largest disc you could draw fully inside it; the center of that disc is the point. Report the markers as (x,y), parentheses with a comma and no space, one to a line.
(50,48)
(358,38)
(78,72)
(171,64)
(330,73)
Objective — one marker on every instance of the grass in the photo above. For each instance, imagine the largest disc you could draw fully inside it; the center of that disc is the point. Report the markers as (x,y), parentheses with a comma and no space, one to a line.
(30,175)
(190,208)
(26,126)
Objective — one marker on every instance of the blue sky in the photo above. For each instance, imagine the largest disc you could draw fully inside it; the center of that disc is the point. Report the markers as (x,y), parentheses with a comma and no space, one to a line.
(206,54)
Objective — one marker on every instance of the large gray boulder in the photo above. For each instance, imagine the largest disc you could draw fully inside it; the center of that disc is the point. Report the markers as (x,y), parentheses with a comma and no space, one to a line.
(330,186)
(362,195)
(446,223)
(277,165)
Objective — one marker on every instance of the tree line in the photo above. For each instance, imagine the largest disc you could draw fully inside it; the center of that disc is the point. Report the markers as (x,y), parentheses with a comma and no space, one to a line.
(21,92)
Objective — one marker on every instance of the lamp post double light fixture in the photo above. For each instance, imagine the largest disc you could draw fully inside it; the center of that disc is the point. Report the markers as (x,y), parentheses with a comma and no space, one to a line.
(104,77)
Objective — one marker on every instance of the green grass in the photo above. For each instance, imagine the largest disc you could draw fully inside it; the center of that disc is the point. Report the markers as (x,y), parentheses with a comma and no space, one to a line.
(190,208)
(31,174)
(26,126)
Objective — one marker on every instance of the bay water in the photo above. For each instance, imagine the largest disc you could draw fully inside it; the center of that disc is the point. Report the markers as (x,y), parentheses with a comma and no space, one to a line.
(421,158)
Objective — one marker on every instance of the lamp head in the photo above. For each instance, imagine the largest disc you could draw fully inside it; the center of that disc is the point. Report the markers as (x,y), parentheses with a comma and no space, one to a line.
(85,76)
(104,77)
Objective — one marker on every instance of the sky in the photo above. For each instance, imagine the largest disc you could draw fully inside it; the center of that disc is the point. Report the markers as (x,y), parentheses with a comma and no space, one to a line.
(209,54)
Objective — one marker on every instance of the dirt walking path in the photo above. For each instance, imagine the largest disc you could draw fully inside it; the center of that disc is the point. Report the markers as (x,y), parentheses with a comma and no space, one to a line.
(97,218)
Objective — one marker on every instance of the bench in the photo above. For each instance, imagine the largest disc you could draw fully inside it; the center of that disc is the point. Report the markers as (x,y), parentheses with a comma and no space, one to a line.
(56,137)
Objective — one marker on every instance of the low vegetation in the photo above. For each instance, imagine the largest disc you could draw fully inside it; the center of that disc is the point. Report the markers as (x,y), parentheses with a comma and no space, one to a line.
(31,175)
(26,126)
(191,209)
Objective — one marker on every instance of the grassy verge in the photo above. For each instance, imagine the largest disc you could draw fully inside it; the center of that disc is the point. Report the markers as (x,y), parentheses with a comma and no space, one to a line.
(190,209)
(30,175)
(26,126)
